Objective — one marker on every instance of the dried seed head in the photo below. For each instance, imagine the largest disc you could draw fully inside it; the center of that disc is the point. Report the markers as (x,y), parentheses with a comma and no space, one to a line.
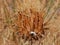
(31,27)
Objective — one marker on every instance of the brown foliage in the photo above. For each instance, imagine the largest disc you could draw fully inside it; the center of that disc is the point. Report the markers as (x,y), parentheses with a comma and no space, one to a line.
(28,23)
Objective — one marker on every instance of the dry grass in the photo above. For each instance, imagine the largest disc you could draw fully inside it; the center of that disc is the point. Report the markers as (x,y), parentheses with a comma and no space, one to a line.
(50,10)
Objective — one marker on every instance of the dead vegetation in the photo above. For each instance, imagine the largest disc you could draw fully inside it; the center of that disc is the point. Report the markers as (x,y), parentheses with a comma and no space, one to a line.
(14,13)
